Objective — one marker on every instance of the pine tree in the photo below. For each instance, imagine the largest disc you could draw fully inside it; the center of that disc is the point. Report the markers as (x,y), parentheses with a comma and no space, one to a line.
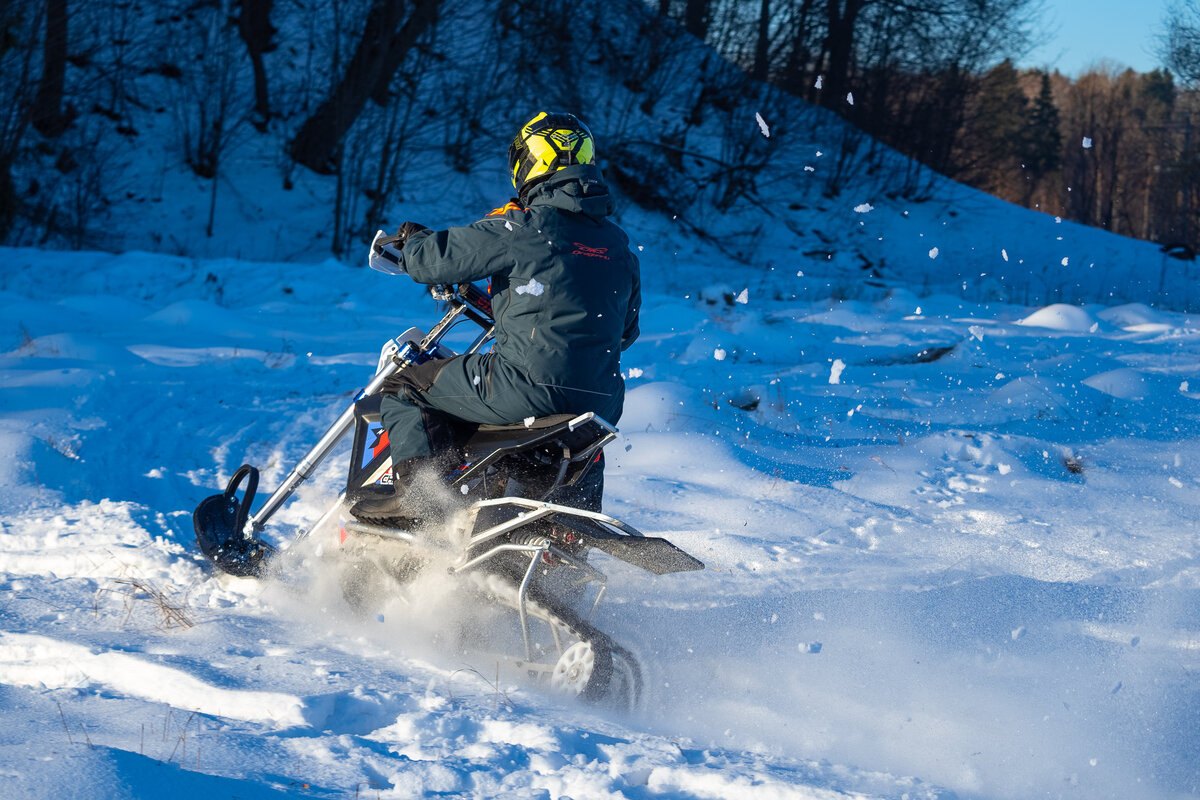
(1041,139)
(993,137)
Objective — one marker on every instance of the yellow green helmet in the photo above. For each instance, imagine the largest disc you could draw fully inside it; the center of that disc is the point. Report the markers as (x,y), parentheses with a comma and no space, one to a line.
(546,144)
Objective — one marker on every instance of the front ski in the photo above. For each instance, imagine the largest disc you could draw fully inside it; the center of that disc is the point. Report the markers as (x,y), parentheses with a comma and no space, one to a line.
(220,522)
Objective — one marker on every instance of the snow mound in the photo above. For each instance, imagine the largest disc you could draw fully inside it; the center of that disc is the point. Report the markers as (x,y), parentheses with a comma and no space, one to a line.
(1061,317)
(1029,396)
(1131,315)
(72,347)
(198,314)
(1125,383)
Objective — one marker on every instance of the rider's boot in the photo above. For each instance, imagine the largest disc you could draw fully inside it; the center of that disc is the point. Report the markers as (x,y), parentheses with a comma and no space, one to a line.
(383,507)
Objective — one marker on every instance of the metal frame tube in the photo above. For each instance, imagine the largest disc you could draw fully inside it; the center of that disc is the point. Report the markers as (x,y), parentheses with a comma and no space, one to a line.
(522,594)
(308,464)
(344,423)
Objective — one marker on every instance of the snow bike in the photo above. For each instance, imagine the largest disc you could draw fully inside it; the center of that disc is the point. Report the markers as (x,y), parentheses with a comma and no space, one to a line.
(515,519)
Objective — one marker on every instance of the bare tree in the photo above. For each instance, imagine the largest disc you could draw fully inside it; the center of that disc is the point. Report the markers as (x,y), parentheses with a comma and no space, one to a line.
(1179,41)
(841,18)
(50,117)
(254,26)
(695,17)
(388,33)
(18,31)
(762,43)
(207,107)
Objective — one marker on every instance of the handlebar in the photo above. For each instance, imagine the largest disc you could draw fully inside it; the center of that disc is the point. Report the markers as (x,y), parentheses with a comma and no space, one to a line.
(384,256)
(475,299)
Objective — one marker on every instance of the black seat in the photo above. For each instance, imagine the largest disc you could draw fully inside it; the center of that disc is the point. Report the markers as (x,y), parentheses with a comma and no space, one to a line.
(568,440)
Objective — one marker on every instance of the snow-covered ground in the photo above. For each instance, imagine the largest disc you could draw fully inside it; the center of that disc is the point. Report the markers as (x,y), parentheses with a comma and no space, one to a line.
(951,547)
(951,541)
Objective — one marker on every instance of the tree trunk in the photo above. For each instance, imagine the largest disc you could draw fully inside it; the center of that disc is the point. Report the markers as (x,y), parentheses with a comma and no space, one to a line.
(8,199)
(254,26)
(762,45)
(49,117)
(383,46)
(424,15)
(1107,199)
(795,68)
(695,18)
(839,44)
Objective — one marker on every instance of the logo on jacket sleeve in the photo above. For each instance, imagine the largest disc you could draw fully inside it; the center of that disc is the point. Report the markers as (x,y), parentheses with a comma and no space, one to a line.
(504,209)
(590,252)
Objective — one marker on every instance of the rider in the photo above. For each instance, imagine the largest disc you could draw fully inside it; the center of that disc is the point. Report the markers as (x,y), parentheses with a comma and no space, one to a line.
(565,292)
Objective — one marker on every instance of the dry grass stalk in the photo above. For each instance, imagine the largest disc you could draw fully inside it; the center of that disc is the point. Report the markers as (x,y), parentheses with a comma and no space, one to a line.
(170,615)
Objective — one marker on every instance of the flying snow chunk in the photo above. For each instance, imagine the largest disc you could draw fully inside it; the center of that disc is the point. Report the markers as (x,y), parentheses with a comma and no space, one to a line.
(529,421)
(864,208)
(820,82)
(508,225)
(533,288)
(1065,261)
(835,372)
(933,253)
(1004,254)
(719,354)
(762,125)
(635,372)
(743,297)
(1087,143)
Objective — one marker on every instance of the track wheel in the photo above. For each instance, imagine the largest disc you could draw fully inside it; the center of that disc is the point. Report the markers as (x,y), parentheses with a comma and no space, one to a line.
(584,670)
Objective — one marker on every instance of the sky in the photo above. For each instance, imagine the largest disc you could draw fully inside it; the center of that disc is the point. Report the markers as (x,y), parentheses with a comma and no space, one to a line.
(1079,33)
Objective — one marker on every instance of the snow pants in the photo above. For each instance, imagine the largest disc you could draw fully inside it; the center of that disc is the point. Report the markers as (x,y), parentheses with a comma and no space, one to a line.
(423,402)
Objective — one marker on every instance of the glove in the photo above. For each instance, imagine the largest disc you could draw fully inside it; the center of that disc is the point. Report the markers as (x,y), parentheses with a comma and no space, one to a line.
(385,250)
(407,229)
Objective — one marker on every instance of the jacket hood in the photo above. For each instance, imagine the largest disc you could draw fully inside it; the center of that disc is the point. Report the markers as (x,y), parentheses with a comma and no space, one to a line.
(580,189)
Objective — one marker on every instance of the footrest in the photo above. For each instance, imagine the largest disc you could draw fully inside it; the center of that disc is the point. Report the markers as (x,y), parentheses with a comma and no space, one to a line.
(606,534)
(650,553)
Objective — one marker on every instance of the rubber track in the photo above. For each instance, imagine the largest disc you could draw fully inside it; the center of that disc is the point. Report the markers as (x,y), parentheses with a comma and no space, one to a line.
(581,629)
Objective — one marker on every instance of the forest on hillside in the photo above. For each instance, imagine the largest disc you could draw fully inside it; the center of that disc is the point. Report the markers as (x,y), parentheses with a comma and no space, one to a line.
(357,89)
(1111,148)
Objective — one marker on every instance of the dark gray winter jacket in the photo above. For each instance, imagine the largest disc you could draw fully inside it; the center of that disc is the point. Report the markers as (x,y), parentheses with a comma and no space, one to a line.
(565,287)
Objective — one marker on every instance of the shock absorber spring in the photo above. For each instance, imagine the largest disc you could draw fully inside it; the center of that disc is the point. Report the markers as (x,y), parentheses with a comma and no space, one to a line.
(530,538)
